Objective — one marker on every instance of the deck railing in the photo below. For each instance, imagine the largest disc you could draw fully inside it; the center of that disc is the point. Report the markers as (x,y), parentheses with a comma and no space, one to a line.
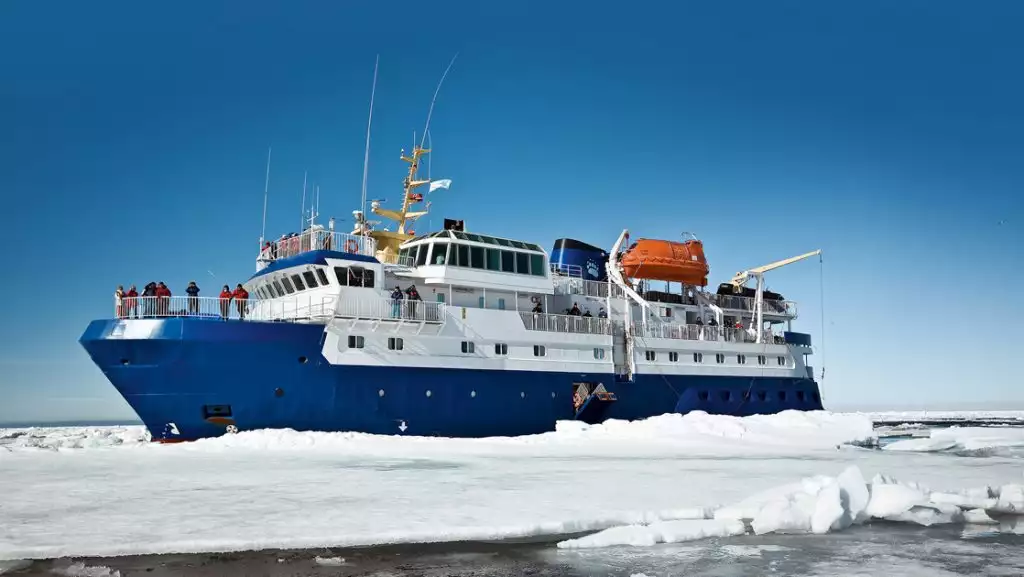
(566,323)
(565,285)
(569,270)
(290,308)
(389,309)
(319,240)
(701,333)
(742,303)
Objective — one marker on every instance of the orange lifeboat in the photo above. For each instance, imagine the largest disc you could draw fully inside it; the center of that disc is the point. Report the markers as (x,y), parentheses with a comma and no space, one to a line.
(666,260)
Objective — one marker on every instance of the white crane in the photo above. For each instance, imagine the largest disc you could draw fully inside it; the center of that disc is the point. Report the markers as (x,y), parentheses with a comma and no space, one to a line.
(740,279)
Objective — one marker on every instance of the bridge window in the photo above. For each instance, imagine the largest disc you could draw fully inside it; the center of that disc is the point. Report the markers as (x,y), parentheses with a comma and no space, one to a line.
(297,281)
(537,267)
(287,285)
(651,355)
(522,263)
(320,274)
(310,278)
(280,291)
(500,349)
(396,343)
(493,259)
(462,252)
(439,255)
(421,255)
(476,254)
(468,347)
(674,357)
(356,342)
(360,277)
(540,351)
(342,274)
(698,357)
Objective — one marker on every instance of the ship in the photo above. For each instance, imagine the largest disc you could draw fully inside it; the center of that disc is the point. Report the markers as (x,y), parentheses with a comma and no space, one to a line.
(455,333)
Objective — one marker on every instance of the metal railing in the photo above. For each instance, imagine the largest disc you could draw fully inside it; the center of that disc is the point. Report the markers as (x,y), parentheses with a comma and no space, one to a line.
(569,270)
(319,240)
(577,286)
(389,309)
(565,323)
(701,333)
(742,303)
(290,308)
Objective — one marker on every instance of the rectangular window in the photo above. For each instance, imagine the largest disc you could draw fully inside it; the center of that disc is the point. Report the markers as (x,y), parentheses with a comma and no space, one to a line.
(501,304)
(476,253)
(698,357)
(741,359)
(599,354)
(440,297)
(539,351)
(762,360)
(500,349)
(651,355)
(782,361)
(493,259)
(537,267)
(320,274)
(480,303)
(396,343)
(355,342)
(463,258)
(421,255)
(468,347)
(287,285)
(360,277)
(674,357)
(297,281)
(522,263)
(310,278)
(719,358)
(280,291)
(508,261)
(411,259)
(439,255)
(342,274)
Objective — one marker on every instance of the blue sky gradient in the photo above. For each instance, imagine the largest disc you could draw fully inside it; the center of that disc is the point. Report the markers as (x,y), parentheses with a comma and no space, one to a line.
(134,138)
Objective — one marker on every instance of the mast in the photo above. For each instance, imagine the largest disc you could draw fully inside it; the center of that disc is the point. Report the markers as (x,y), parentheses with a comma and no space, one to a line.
(266,190)
(369,121)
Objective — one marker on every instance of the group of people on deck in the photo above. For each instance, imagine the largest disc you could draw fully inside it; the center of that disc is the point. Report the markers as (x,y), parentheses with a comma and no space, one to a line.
(156,301)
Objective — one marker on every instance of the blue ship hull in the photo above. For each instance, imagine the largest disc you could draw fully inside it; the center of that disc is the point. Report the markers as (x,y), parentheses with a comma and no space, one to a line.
(203,375)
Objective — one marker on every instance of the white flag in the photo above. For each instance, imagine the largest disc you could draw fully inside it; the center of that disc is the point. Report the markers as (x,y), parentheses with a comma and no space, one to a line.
(443,183)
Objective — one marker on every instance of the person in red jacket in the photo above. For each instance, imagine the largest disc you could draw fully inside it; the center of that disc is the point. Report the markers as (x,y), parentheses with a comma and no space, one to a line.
(163,300)
(225,302)
(241,297)
(130,299)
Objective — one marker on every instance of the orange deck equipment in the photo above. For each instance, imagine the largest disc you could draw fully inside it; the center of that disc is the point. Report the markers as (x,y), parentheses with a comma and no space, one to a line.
(666,260)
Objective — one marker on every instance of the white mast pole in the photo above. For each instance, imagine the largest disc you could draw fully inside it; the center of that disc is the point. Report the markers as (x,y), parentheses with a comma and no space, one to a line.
(266,190)
(366,154)
(302,216)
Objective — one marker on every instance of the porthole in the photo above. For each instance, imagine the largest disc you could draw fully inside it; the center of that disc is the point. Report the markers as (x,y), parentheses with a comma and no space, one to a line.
(279,392)
(552,394)
(380,393)
(303,360)
(522,395)
(429,393)
(472,394)
(124,362)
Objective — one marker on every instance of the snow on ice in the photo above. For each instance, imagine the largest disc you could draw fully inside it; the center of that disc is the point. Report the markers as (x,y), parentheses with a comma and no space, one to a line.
(666,479)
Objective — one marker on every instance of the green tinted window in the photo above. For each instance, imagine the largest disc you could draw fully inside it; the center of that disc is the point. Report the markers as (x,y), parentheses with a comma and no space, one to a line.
(537,265)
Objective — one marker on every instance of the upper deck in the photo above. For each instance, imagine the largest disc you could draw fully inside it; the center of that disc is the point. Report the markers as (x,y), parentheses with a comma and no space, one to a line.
(314,238)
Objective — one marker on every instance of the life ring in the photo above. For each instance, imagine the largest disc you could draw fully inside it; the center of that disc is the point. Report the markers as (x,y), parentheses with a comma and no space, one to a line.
(351,245)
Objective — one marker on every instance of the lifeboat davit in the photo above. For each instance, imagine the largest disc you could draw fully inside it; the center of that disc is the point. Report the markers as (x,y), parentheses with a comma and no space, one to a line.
(666,260)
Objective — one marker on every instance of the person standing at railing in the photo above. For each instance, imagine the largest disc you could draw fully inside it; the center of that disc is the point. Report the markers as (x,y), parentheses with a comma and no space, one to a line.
(119,304)
(241,297)
(193,298)
(163,299)
(130,301)
(396,302)
(149,299)
(225,302)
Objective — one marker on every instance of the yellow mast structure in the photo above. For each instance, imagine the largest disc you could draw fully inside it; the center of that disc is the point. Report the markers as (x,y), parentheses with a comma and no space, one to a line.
(387,241)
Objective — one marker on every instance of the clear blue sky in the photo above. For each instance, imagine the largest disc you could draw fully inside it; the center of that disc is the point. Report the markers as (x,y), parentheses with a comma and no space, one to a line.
(889,134)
